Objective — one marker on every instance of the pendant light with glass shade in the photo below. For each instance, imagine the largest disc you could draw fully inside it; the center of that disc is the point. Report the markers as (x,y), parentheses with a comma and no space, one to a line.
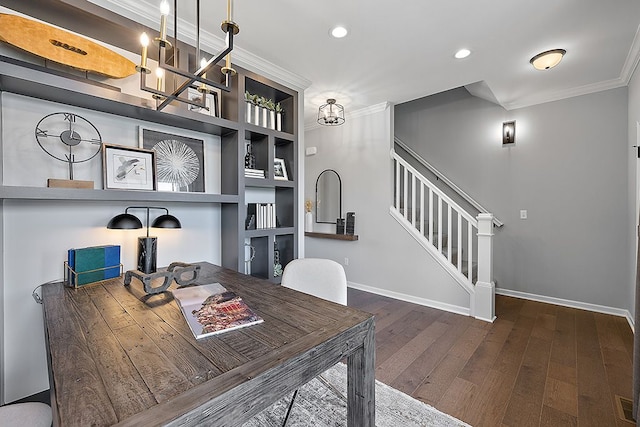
(331,114)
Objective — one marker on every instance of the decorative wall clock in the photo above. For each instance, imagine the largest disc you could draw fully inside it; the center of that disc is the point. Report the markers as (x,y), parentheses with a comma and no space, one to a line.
(69,138)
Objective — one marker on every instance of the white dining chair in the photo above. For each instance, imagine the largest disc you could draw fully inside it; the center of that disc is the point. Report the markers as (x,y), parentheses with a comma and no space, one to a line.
(31,414)
(323,278)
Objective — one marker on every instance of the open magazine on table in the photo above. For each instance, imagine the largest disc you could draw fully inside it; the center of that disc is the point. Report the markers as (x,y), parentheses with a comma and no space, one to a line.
(212,309)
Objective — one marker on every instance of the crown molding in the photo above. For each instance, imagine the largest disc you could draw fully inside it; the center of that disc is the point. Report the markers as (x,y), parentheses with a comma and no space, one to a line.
(564,94)
(372,109)
(633,58)
(142,12)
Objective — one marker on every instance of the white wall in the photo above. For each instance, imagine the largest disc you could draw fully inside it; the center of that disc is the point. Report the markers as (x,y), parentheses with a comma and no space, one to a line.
(568,169)
(384,257)
(37,234)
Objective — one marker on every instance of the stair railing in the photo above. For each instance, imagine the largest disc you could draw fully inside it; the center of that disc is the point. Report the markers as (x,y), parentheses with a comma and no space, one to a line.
(446,180)
(464,251)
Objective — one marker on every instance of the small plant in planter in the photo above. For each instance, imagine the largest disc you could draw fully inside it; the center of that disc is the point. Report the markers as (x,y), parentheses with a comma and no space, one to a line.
(279,111)
(250,101)
(271,107)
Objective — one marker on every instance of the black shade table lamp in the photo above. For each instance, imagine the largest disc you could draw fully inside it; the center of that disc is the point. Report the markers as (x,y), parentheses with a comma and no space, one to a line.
(147,245)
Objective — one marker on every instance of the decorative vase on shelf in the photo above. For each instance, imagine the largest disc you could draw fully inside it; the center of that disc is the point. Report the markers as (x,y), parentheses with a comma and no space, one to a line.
(278,111)
(308,222)
(277,267)
(272,119)
(249,110)
(249,159)
(256,114)
(265,117)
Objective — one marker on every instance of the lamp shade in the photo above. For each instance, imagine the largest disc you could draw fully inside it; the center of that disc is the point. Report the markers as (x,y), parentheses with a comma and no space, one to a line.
(166,221)
(124,221)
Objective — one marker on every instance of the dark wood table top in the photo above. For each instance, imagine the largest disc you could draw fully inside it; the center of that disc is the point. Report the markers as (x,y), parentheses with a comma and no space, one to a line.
(117,356)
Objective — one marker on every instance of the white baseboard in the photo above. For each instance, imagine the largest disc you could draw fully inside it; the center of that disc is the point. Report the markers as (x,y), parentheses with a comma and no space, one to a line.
(569,303)
(411,298)
(499,291)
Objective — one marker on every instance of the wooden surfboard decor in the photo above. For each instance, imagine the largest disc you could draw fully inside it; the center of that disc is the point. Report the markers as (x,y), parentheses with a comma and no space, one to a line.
(63,47)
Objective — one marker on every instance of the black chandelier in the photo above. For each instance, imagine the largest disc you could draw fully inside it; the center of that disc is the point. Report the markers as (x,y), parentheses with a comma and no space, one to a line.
(159,92)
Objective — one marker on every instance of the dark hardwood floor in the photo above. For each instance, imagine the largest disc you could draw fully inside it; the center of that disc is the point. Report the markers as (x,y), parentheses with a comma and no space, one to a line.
(537,365)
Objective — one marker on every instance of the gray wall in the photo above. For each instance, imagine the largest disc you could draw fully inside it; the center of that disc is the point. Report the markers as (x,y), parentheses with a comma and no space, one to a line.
(568,169)
(385,257)
(37,234)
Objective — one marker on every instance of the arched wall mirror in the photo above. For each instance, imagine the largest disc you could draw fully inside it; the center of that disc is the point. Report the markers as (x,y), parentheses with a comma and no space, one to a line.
(328,197)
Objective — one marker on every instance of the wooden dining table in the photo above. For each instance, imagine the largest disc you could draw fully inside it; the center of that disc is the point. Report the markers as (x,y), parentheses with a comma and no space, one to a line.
(118,356)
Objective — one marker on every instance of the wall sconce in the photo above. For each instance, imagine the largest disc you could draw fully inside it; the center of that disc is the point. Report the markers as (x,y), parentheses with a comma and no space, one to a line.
(147,246)
(509,132)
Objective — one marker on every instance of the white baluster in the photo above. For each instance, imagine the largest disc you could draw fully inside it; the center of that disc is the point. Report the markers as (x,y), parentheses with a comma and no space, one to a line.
(430,215)
(397,201)
(459,232)
(470,246)
(422,208)
(406,191)
(440,224)
(413,199)
(449,232)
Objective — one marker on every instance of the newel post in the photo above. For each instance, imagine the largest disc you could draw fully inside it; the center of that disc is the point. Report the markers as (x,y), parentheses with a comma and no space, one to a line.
(483,303)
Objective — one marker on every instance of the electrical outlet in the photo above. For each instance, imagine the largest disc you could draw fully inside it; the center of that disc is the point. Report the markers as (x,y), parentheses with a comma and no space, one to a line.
(523,214)
(346,261)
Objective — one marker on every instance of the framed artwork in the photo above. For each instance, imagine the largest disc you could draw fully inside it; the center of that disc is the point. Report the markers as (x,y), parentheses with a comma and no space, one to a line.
(212,101)
(128,168)
(179,160)
(280,169)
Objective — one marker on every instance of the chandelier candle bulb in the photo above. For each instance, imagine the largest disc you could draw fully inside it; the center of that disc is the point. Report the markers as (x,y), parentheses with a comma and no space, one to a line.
(164,11)
(144,41)
(203,86)
(159,75)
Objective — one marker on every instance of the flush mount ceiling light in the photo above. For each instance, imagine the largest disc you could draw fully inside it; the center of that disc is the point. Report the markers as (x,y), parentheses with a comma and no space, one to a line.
(338,32)
(462,53)
(548,59)
(331,114)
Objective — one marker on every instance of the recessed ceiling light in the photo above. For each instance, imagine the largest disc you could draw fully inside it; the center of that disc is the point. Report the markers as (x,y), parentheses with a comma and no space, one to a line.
(548,59)
(462,53)
(339,32)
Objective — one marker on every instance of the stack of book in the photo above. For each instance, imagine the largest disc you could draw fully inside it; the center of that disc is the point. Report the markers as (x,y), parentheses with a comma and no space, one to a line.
(92,264)
(253,173)
(261,215)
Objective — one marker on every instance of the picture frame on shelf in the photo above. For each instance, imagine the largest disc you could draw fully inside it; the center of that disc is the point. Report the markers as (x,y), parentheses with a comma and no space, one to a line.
(212,103)
(280,170)
(180,163)
(128,168)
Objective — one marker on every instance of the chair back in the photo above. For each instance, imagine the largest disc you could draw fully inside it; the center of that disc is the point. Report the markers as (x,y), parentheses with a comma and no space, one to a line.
(323,278)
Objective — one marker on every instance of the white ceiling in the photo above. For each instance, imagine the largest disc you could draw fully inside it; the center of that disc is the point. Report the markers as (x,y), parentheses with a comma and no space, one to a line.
(398,51)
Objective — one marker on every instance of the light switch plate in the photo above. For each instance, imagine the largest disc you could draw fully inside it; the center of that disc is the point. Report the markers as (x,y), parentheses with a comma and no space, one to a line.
(523,214)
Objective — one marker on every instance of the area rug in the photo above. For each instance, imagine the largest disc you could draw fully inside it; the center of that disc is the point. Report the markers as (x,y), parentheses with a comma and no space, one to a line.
(318,406)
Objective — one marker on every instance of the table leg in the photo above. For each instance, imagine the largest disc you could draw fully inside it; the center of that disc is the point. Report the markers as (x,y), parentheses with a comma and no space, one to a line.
(361,383)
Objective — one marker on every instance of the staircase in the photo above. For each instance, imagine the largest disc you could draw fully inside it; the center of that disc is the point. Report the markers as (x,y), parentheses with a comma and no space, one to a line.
(460,242)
